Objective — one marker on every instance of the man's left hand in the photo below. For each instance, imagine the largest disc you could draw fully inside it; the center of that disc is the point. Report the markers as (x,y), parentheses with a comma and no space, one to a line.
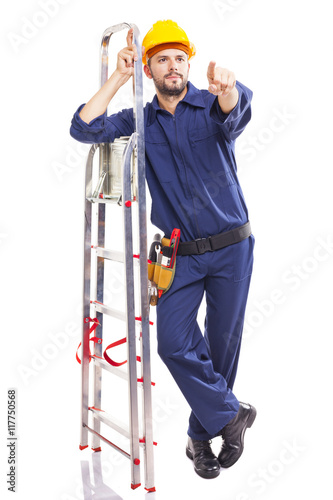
(221,80)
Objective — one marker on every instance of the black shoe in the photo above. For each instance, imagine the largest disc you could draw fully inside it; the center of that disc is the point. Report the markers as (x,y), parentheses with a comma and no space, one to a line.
(233,435)
(205,462)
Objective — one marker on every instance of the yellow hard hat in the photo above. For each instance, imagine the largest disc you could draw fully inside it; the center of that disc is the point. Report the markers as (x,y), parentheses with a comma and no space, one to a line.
(166,33)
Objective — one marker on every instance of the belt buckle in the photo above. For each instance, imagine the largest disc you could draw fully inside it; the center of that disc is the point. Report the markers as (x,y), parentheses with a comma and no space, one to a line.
(203,245)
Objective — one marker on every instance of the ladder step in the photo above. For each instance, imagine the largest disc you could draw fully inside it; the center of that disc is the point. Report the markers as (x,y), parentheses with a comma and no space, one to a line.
(114,255)
(108,310)
(115,370)
(114,200)
(111,421)
(109,254)
(123,452)
(112,369)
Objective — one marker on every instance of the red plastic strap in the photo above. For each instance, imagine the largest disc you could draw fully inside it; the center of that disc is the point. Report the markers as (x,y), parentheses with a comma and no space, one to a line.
(92,339)
(143,440)
(96,339)
(141,380)
(139,318)
(115,344)
(77,356)
(107,357)
(92,320)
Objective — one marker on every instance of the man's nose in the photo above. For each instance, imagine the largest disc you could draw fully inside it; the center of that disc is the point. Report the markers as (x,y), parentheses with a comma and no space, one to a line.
(173,65)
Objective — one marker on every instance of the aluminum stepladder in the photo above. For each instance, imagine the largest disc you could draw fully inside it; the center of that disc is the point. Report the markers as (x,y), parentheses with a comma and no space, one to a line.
(94,305)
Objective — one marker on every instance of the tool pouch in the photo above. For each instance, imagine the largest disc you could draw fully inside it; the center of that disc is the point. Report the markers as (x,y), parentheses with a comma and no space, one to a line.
(158,274)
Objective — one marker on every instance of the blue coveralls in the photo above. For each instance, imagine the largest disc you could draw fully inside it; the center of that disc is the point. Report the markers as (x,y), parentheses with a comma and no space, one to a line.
(192,177)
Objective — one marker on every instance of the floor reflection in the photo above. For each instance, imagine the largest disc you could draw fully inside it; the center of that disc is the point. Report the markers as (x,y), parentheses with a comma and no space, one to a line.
(94,487)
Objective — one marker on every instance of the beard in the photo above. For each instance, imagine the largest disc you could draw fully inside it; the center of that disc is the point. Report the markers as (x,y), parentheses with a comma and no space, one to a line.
(170,88)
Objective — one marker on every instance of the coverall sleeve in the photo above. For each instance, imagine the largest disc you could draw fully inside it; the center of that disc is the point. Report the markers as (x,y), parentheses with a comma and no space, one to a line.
(234,123)
(102,128)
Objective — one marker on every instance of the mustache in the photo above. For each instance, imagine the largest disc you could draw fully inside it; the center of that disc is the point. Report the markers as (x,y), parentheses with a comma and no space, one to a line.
(173,74)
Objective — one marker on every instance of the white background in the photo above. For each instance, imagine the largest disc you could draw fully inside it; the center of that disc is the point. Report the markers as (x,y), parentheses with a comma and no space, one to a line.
(50,65)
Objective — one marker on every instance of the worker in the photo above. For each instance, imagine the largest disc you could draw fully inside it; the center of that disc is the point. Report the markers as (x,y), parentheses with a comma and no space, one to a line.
(192,177)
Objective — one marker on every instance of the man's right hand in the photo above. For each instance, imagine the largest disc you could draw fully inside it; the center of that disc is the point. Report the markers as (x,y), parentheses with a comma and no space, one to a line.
(126,57)
(125,69)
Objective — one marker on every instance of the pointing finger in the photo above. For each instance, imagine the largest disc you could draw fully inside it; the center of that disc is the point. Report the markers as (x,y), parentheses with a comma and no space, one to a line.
(211,70)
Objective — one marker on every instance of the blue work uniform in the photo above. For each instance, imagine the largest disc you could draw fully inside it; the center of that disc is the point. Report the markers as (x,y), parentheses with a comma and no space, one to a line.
(192,177)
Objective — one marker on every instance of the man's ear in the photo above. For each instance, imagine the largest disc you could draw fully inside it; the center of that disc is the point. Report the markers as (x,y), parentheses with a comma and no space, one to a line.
(147,71)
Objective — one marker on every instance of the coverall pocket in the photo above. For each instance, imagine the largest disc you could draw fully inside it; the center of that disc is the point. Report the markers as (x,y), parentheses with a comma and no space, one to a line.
(243,258)
(213,157)
(157,146)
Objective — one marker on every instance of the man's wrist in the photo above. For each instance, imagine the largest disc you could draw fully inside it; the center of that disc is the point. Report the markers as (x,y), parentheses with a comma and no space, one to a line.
(118,78)
(229,102)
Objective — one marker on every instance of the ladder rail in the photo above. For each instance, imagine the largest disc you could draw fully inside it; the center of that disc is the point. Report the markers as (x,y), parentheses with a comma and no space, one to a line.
(104,158)
(136,141)
(104,66)
(144,304)
(130,310)
(86,299)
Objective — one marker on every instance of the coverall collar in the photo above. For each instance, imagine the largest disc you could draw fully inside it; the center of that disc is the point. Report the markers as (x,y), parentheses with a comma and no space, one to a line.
(193,97)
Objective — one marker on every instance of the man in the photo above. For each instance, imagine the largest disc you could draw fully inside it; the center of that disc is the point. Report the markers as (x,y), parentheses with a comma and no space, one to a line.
(191,174)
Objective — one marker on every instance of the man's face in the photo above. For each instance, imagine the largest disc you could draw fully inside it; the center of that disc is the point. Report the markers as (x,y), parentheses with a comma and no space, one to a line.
(169,69)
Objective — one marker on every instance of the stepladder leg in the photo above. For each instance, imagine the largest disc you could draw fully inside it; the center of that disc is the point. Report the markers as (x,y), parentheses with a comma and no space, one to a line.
(97,404)
(85,392)
(97,378)
(85,322)
(85,385)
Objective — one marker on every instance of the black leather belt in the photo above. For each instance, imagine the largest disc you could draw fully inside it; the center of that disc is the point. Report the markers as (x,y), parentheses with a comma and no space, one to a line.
(212,243)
